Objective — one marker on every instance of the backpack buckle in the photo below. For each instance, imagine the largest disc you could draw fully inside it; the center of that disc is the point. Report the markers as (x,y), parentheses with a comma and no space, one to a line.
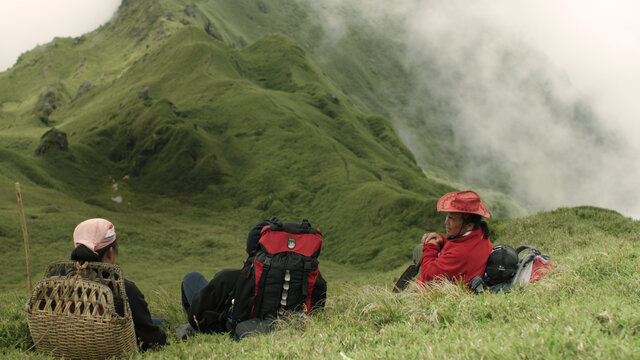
(267,263)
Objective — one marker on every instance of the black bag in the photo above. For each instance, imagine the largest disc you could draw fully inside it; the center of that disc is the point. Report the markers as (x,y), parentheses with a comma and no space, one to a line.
(530,267)
(281,272)
(501,266)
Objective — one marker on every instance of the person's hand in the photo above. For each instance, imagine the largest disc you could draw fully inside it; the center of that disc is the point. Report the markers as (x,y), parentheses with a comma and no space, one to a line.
(433,238)
(438,240)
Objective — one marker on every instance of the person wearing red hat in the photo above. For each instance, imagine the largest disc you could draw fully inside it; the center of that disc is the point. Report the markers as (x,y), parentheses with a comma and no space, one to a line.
(462,254)
(95,240)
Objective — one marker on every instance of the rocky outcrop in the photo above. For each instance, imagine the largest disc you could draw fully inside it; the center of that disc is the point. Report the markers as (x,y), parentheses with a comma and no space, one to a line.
(84,87)
(52,139)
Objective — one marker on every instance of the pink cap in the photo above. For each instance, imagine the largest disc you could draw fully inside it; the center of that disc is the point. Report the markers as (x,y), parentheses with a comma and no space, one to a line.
(94,234)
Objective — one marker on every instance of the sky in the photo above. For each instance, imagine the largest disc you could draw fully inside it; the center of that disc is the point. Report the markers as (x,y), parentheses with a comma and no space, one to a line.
(24,24)
(586,49)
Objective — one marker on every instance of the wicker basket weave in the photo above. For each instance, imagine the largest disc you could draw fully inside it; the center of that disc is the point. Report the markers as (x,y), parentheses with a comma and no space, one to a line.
(73,313)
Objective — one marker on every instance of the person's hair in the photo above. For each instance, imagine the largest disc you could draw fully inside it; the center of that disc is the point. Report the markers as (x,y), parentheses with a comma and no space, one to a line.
(477,222)
(82,253)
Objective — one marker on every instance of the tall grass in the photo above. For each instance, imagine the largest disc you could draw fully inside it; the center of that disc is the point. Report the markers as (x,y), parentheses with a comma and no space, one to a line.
(585,308)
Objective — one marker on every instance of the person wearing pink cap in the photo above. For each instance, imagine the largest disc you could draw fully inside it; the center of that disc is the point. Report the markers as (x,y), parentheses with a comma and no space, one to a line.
(95,240)
(462,254)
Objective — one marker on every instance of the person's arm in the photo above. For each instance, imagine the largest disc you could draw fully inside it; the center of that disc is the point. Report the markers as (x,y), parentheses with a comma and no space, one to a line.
(148,335)
(438,264)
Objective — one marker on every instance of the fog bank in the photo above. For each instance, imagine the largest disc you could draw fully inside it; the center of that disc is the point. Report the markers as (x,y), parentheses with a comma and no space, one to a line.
(540,95)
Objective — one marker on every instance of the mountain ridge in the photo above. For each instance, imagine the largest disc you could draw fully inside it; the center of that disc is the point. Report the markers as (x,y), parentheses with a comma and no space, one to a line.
(172,116)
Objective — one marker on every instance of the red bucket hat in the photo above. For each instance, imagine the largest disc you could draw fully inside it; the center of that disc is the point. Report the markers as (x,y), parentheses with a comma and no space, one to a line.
(463,202)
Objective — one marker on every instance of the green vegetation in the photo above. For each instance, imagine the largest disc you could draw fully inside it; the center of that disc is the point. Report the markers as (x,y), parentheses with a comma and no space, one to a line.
(585,309)
(177,118)
(186,124)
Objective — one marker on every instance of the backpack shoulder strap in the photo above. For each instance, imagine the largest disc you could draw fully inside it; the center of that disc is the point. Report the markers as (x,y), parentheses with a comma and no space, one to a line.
(308,268)
(528,258)
(520,248)
(257,309)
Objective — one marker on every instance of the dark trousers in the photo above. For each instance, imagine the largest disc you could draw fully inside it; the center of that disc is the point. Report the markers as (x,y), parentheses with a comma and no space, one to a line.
(158,321)
(207,303)
(192,283)
(417,256)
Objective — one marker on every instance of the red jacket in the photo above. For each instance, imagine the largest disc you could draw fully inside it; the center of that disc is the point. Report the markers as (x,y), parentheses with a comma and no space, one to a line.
(458,259)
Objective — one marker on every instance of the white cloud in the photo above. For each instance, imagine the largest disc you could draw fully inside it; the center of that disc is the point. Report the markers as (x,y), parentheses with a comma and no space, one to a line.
(595,42)
(546,90)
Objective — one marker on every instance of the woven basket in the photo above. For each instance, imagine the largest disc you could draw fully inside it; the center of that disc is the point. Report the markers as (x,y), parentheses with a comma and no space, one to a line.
(81,311)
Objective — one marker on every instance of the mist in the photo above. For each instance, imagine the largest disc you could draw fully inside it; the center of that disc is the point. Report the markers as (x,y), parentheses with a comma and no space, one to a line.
(26,24)
(539,95)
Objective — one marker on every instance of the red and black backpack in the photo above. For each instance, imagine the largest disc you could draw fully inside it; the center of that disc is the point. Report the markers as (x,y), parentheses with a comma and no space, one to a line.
(280,273)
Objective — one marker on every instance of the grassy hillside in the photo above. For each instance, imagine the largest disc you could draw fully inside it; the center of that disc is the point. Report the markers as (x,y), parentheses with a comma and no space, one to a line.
(159,111)
(584,309)
(445,100)
(364,57)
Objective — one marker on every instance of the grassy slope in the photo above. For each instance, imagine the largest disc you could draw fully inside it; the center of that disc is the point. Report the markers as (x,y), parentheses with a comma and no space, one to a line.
(368,62)
(201,144)
(364,59)
(585,309)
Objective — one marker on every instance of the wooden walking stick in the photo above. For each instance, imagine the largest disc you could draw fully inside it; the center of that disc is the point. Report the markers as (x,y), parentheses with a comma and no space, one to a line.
(25,236)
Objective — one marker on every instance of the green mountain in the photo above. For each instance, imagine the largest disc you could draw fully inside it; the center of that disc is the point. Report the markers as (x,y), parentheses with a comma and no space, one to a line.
(168,110)
(475,106)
